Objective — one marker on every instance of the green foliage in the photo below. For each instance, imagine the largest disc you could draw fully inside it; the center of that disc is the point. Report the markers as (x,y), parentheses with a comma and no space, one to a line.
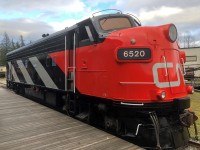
(195,106)
(8,45)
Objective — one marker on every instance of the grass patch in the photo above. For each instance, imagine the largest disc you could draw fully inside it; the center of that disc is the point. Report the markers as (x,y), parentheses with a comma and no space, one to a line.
(195,106)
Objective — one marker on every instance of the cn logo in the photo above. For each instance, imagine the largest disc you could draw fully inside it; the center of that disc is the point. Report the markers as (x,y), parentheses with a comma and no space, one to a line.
(165,66)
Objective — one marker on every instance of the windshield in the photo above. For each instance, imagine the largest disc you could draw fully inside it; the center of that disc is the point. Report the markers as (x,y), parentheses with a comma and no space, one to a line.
(114,23)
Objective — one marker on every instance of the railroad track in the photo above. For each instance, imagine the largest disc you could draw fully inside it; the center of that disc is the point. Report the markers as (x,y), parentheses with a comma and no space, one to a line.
(194,145)
(196,90)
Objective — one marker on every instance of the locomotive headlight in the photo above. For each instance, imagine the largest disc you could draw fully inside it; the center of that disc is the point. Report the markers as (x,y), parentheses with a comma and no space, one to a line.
(172,33)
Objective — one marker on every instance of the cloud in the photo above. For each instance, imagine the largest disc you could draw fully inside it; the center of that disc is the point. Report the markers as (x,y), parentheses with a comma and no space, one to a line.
(133,6)
(29,28)
(42,10)
(45,5)
(33,18)
(162,12)
(185,19)
(63,24)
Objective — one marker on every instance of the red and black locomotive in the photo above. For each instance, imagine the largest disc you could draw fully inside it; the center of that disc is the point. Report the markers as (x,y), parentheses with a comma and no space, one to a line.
(112,71)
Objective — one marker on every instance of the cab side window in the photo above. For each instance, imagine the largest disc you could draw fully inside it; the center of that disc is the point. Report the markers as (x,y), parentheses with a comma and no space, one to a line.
(85,34)
(48,61)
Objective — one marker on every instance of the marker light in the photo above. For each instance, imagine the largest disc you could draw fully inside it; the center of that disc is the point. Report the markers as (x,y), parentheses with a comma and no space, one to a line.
(161,95)
(172,33)
(190,89)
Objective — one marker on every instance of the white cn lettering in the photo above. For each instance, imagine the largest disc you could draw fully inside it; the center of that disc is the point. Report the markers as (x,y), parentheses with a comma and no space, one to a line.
(165,84)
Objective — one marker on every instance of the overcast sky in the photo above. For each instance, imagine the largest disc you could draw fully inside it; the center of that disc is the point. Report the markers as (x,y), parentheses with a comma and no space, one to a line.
(32,18)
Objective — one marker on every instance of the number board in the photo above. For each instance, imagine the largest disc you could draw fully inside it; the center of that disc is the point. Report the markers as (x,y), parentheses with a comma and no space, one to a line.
(134,54)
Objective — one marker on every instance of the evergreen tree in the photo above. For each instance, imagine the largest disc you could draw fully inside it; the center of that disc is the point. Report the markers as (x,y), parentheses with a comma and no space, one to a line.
(17,45)
(5,47)
(13,47)
(5,43)
(21,41)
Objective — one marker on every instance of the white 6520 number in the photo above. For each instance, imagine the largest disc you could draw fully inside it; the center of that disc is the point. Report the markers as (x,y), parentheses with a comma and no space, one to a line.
(134,53)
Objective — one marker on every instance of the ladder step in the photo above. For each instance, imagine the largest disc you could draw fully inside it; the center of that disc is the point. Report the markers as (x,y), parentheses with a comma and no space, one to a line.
(72,107)
(70,90)
(129,135)
(82,116)
(70,80)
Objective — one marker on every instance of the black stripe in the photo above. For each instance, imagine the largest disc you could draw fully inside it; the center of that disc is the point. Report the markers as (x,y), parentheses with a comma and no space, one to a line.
(18,72)
(33,73)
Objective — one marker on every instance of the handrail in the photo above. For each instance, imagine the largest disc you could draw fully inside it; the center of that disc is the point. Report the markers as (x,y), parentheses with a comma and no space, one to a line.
(183,64)
(166,73)
(74,62)
(119,11)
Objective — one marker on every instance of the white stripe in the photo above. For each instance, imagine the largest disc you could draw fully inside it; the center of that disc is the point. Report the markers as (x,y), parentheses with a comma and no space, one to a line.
(24,72)
(13,72)
(42,73)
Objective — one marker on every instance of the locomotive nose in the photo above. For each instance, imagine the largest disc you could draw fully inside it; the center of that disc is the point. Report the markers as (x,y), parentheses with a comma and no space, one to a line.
(150,64)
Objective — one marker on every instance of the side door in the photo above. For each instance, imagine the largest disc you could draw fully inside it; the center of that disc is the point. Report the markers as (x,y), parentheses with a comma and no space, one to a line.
(87,73)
